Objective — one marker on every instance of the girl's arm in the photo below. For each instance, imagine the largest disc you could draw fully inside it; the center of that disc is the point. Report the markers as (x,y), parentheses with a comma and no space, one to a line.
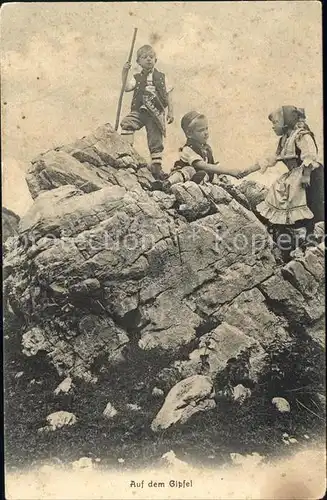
(215,169)
(308,157)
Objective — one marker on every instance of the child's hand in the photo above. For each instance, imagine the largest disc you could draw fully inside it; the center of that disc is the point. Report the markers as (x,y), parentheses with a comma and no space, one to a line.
(170,117)
(127,66)
(240,174)
(305,181)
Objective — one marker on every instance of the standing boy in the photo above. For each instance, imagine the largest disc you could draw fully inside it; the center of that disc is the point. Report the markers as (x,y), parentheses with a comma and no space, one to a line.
(152,95)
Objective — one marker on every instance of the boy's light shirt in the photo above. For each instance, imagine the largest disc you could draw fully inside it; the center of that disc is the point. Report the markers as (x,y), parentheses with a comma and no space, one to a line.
(150,87)
(189,156)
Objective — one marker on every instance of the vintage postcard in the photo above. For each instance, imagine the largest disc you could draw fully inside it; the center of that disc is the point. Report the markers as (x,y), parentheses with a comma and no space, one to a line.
(163,240)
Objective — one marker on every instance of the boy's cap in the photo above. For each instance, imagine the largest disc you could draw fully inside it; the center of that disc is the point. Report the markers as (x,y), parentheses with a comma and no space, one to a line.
(188,119)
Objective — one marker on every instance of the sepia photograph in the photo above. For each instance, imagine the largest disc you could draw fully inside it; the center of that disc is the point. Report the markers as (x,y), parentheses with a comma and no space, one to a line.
(163,250)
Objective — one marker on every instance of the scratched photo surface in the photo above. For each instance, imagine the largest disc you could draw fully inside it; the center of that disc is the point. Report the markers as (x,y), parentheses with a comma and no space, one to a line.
(163,237)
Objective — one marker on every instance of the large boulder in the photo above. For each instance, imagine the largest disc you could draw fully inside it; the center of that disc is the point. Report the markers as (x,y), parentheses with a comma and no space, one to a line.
(103,268)
(89,164)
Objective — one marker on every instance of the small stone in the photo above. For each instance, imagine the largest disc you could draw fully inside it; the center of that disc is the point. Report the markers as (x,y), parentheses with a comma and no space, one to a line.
(47,469)
(60,419)
(292,440)
(139,386)
(285,435)
(183,207)
(247,461)
(109,411)
(282,405)
(133,407)
(158,393)
(19,374)
(97,460)
(58,290)
(33,341)
(170,459)
(322,399)
(306,436)
(83,463)
(64,387)
(121,460)
(241,393)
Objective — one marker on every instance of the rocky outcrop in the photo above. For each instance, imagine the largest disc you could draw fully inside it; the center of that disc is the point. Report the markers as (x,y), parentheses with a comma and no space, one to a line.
(10,223)
(90,163)
(104,269)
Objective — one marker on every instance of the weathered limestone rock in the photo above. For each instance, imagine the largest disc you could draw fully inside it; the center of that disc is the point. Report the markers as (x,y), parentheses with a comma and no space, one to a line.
(83,463)
(300,287)
(57,420)
(241,393)
(103,267)
(190,396)
(254,192)
(86,163)
(258,322)
(157,393)
(216,349)
(65,387)
(110,411)
(33,341)
(10,223)
(281,404)
(96,337)
(317,332)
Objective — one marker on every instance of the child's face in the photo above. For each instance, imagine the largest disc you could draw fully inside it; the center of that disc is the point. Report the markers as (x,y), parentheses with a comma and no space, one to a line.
(199,131)
(277,123)
(147,60)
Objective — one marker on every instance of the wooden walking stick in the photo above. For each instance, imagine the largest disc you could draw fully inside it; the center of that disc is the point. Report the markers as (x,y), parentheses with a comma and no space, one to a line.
(120,101)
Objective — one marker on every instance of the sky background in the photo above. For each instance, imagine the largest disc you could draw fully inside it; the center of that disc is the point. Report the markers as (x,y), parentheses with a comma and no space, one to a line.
(234,61)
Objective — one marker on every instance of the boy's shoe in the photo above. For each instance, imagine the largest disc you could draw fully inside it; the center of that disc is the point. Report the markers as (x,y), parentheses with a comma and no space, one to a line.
(163,175)
(163,186)
(199,176)
(156,171)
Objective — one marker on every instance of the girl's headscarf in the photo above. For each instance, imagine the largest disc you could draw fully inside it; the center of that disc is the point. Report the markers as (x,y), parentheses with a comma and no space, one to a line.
(291,117)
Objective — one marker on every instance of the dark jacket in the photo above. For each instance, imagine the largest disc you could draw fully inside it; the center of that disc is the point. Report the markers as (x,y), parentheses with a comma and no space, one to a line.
(159,84)
(204,151)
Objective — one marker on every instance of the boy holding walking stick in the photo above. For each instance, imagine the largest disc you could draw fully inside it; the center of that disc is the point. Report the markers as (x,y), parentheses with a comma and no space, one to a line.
(152,96)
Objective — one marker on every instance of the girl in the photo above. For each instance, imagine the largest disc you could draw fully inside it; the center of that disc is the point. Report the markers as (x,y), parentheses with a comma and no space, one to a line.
(295,202)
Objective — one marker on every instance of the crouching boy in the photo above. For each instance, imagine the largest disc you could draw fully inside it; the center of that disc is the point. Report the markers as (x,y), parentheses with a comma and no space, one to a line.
(196,161)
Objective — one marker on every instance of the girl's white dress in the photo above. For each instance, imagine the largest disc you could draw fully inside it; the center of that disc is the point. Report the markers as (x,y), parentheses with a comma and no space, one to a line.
(286,201)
